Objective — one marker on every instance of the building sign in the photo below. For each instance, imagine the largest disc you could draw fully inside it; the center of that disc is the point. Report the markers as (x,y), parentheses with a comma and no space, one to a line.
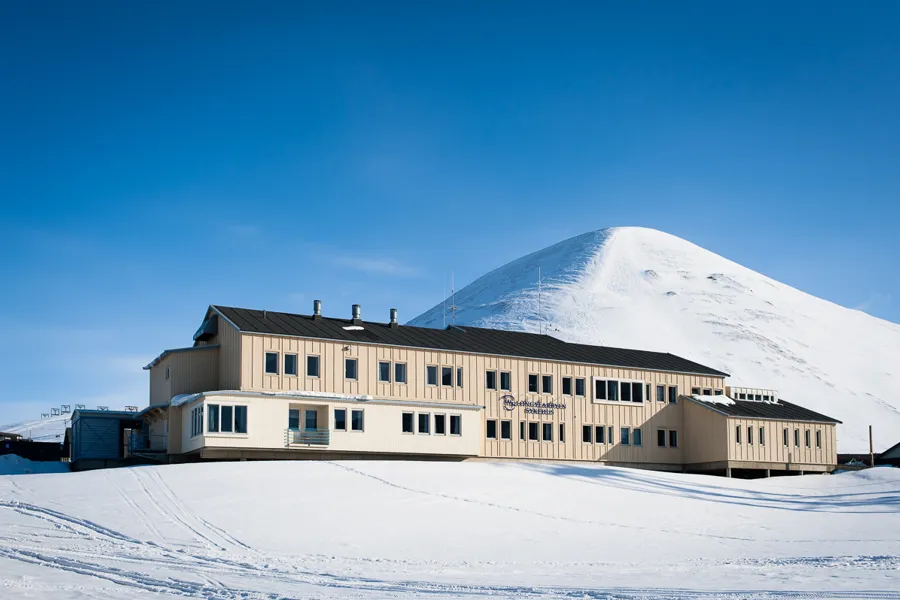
(535,407)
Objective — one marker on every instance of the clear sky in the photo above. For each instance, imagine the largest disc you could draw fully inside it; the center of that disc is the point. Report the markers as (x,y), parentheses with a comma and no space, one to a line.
(157,157)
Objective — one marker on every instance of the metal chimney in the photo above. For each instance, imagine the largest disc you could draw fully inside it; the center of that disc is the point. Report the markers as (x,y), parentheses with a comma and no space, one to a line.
(317,309)
(394,323)
(356,318)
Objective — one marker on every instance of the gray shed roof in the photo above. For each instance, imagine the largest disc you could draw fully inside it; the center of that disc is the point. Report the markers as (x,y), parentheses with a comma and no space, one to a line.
(753,409)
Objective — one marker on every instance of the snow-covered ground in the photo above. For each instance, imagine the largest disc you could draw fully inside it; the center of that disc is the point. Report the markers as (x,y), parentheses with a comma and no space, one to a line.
(51,429)
(446,530)
(11,464)
(641,288)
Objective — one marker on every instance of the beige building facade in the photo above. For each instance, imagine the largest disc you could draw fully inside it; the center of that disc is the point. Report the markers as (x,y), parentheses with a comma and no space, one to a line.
(266,385)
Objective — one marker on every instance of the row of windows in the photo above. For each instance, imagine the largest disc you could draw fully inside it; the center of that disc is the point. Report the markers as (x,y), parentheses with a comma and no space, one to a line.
(224,418)
(757,397)
(311,419)
(707,392)
(536,432)
(446,380)
(424,422)
(601,434)
(290,364)
(785,436)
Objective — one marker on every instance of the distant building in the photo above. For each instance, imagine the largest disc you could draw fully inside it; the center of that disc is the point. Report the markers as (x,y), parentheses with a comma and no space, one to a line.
(268,385)
(891,456)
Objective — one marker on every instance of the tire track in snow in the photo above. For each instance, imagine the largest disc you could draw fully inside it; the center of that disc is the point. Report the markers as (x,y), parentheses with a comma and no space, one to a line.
(134,506)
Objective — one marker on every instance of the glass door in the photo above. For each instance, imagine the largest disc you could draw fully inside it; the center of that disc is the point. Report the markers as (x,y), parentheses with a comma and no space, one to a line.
(311,419)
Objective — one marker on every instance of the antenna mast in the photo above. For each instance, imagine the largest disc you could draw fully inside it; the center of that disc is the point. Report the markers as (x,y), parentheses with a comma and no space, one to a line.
(452,299)
(540,314)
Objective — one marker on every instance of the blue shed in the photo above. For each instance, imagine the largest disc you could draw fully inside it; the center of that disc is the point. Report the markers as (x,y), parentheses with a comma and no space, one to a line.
(100,438)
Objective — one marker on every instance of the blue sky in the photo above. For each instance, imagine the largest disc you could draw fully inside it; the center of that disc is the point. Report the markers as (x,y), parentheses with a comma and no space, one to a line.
(159,157)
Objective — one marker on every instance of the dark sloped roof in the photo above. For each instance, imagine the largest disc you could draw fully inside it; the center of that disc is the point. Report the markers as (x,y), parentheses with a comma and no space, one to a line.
(752,409)
(460,339)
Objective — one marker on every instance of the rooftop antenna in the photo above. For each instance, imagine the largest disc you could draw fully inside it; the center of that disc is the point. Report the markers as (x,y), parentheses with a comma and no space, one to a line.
(540,314)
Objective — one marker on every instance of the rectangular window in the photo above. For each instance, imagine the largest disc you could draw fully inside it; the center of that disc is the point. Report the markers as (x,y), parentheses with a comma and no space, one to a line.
(610,434)
(579,386)
(459,377)
(340,419)
(522,430)
(638,437)
(749,436)
(818,438)
(431,373)
(505,430)
(505,381)
(707,392)
(567,386)
(737,434)
(762,436)
(587,434)
(695,391)
(796,438)
(271,363)
(785,437)
(548,432)
(399,372)
(533,383)
(626,436)
(384,371)
(312,366)
(490,380)
(212,425)
(440,424)
(290,364)
(425,423)
(758,397)
(447,376)
(533,432)
(806,438)
(562,433)
(660,393)
(491,429)
(673,438)
(637,392)
(673,394)
(661,438)
(600,436)
(547,384)
(626,391)
(240,419)
(765,398)
(407,423)
(455,424)
(227,419)
(293,419)
(356,420)
(312,419)
(350,368)
(717,393)
(599,389)
(612,391)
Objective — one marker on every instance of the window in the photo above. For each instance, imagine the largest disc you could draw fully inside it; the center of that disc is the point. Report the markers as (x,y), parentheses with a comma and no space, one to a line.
(567,386)
(695,391)
(293,419)
(660,393)
(818,438)
(197,420)
(490,380)
(533,432)
(661,438)
(350,368)
(637,392)
(340,419)
(455,424)
(784,436)
(749,436)
(167,372)
(522,430)
(765,398)
(505,430)
(762,436)
(673,394)
(737,434)
(717,393)
(547,384)
(610,432)
(673,438)
(212,423)
(227,421)
(612,390)
(742,396)
(649,395)
(290,364)
(638,437)
(626,392)
(562,433)
(399,372)
(806,438)
(425,423)
(431,375)
(240,419)
(271,363)
(505,381)
(599,389)
(440,424)
(579,386)
(312,366)
(758,397)
(626,436)
(600,438)
(587,434)
(491,429)
(407,423)
(459,377)
(707,392)
(447,376)
(384,371)
(796,438)
(533,383)
(356,420)
(548,432)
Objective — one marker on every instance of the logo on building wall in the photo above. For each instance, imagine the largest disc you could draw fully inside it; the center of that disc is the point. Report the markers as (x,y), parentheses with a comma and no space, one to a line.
(535,407)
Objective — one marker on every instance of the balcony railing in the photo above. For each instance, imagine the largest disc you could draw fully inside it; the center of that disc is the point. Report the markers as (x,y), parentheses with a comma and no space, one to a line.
(308,437)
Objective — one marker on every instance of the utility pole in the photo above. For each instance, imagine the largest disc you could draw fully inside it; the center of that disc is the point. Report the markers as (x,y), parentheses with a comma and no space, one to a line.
(871,449)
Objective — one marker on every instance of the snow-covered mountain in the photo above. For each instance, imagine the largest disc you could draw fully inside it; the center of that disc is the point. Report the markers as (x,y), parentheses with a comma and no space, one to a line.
(641,288)
(50,429)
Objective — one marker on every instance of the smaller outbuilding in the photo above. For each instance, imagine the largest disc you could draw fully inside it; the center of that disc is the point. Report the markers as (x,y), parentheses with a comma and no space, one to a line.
(102,438)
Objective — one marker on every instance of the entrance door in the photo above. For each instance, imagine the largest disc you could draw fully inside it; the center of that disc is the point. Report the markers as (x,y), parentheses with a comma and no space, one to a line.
(312,419)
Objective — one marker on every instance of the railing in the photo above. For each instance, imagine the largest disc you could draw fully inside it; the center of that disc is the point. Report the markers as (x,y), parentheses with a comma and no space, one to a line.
(309,437)
(141,442)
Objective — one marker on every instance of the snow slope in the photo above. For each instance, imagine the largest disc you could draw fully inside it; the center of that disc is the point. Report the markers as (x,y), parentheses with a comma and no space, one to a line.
(641,288)
(315,529)
(51,429)
(12,464)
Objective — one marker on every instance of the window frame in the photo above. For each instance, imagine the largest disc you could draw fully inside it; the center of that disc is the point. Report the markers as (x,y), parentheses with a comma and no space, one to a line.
(412,423)
(749,435)
(561,433)
(537,383)
(383,363)
(285,364)
(786,437)
(807,438)
(600,436)
(546,427)
(818,439)
(397,379)
(537,431)
(508,424)
(762,435)
(673,394)
(233,409)
(362,419)
(429,369)
(661,393)
(508,387)
(587,431)
(318,363)
(487,429)
(583,386)
(673,438)
(737,433)
(277,360)
(334,415)
(487,378)
(423,418)
(355,361)
(522,436)
(662,434)
(637,437)
(617,387)
(625,436)
(547,384)
(446,374)
(458,419)
(443,419)
(209,414)
(459,377)
(567,380)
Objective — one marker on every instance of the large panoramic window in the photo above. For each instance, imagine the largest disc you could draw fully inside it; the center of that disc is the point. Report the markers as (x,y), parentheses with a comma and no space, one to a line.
(505,381)
(356,420)
(350,368)
(406,425)
(587,434)
(490,380)
(431,373)
(579,386)
(533,383)
(312,366)
(533,432)
(384,371)
(424,423)
(567,386)
(455,424)
(491,432)
(447,376)
(271,363)
(399,372)
(290,364)
(548,432)
(547,384)
(505,430)
(212,424)
(440,424)
(227,419)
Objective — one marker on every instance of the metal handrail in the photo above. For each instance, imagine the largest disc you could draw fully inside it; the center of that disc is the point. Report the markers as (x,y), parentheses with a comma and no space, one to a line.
(309,437)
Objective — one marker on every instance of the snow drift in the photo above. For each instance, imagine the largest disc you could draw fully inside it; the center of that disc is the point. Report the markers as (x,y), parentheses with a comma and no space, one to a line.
(641,288)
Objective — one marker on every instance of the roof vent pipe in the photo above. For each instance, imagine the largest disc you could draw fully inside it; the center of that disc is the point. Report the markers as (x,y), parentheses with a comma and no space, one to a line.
(394,323)
(317,309)
(356,318)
